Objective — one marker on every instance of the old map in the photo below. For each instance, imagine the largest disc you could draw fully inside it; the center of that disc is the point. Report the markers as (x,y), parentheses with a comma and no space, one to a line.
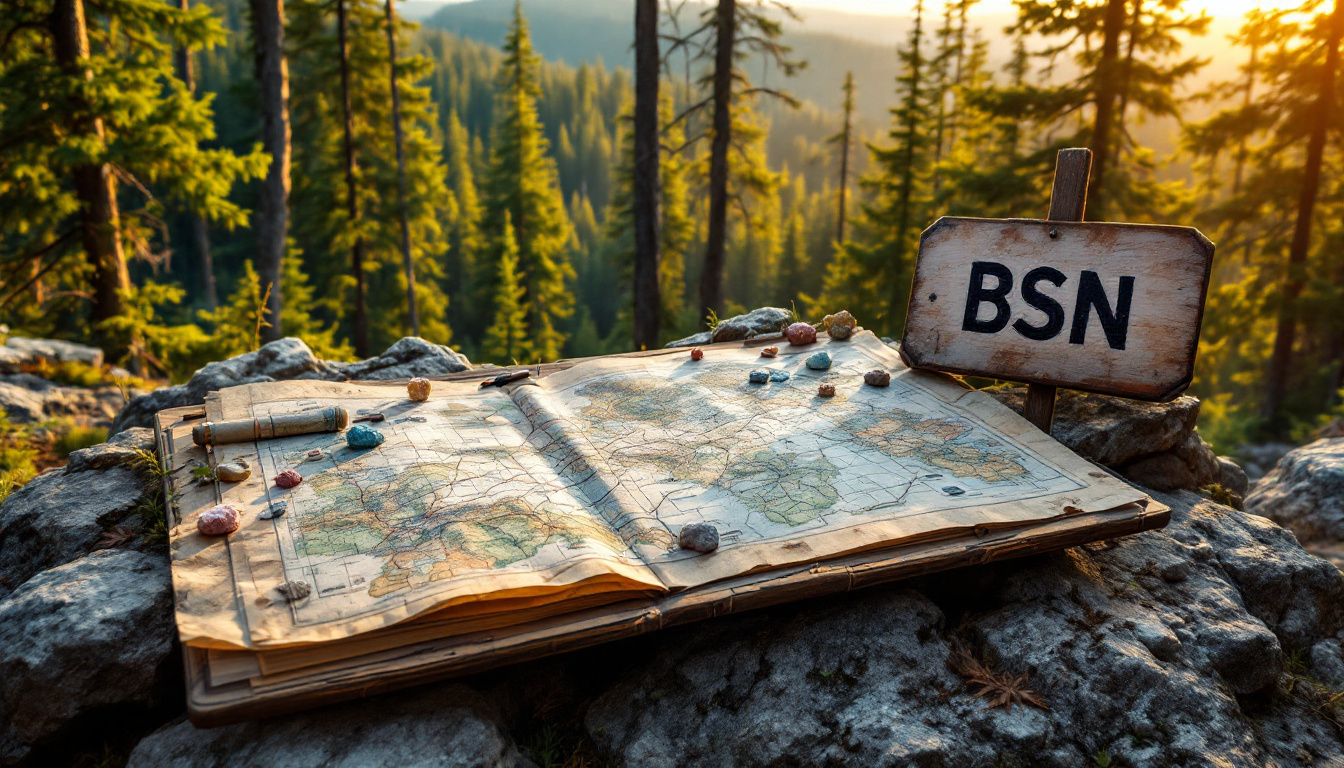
(579,482)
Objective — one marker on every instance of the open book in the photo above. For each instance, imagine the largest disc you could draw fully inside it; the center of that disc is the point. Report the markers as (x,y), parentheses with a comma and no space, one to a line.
(491,508)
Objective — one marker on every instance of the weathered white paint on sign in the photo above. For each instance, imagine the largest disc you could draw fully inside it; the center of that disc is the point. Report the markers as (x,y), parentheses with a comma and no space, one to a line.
(1100,307)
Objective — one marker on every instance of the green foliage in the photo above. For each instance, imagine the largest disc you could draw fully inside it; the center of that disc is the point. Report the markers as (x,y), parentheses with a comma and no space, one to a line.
(320,221)
(17,456)
(156,347)
(522,194)
(506,340)
(125,111)
(77,438)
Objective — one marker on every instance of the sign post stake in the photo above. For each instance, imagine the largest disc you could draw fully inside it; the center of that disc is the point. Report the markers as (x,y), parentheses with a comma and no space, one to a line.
(1068,202)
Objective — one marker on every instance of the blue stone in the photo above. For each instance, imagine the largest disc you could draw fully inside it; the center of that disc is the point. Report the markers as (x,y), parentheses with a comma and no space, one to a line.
(361,436)
(778,376)
(819,362)
(758,377)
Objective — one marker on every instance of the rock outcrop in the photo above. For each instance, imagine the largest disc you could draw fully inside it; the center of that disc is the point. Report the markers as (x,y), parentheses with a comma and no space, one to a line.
(29,399)
(1153,444)
(1165,648)
(290,358)
(18,352)
(1305,493)
(766,321)
(58,517)
(449,725)
(86,649)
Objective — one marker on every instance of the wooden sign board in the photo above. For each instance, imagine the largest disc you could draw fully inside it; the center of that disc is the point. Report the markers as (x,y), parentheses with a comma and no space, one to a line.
(1099,307)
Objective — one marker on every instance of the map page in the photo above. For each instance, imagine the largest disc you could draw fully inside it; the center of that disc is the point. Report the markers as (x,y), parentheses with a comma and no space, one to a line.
(575,486)
(789,476)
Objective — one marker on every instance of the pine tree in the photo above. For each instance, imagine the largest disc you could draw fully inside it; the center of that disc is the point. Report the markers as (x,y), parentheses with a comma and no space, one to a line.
(464,237)
(873,269)
(521,191)
(646,164)
(845,139)
(272,219)
(1092,31)
(324,219)
(91,103)
(507,340)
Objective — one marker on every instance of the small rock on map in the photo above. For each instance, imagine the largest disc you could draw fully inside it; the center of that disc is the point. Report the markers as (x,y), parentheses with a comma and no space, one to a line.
(699,537)
(361,436)
(801,333)
(697,353)
(877,378)
(218,521)
(819,362)
(769,351)
(418,389)
(234,471)
(778,376)
(758,377)
(826,390)
(294,591)
(288,479)
(277,509)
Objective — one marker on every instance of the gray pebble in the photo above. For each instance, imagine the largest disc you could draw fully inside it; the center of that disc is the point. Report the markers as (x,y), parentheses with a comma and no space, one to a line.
(699,537)
(758,377)
(778,376)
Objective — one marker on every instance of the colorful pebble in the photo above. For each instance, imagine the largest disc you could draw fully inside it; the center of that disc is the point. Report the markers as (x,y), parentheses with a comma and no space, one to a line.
(801,333)
(758,377)
(826,390)
(418,389)
(361,436)
(778,376)
(769,351)
(819,362)
(288,479)
(877,378)
(218,521)
(697,353)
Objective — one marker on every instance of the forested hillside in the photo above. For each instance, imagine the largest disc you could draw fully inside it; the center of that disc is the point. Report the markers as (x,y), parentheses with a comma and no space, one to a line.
(189,182)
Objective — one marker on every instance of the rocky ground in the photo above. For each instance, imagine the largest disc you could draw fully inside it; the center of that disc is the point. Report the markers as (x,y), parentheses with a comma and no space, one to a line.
(1216,641)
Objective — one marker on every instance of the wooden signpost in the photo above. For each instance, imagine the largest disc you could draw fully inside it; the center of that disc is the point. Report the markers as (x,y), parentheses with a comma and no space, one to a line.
(1100,307)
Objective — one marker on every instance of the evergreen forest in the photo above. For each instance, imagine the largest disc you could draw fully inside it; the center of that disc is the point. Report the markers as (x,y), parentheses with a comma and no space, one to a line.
(185,181)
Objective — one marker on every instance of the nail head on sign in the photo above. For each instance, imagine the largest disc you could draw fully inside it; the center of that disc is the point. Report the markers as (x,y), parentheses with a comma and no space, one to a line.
(1054,233)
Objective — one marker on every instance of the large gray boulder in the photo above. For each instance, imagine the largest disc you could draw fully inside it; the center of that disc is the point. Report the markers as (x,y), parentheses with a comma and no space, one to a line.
(1153,444)
(59,517)
(406,359)
(86,652)
(123,450)
(286,359)
(758,322)
(17,352)
(1305,493)
(1151,650)
(449,725)
(30,399)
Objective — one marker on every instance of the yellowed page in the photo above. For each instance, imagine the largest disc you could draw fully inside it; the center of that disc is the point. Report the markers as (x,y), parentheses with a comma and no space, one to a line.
(788,476)
(458,505)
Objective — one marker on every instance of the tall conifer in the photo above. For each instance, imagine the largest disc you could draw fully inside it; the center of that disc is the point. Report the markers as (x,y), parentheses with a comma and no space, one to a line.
(508,341)
(522,192)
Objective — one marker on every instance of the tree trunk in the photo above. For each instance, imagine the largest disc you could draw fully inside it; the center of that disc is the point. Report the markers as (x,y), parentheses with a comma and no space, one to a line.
(912,128)
(361,320)
(711,279)
(1277,383)
(1243,148)
(846,136)
(272,216)
(1135,28)
(648,302)
(199,231)
(1107,89)
(95,186)
(407,262)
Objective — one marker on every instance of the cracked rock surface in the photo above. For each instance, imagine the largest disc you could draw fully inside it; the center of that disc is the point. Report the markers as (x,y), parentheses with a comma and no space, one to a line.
(1305,492)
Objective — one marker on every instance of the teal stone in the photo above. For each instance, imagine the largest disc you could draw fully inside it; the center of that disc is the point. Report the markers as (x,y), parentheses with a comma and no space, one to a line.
(778,376)
(361,436)
(819,362)
(758,377)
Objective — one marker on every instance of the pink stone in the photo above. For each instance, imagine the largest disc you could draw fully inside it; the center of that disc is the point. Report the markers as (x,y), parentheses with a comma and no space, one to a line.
(801,333)
(418,389)
(697,353)
(288,479)
(218,521)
